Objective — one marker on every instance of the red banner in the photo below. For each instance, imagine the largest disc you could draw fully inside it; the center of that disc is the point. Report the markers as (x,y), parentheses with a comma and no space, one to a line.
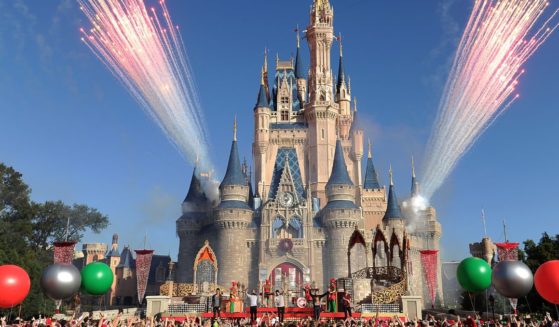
(143,264)
(64,252)
(429,261)
(507,251)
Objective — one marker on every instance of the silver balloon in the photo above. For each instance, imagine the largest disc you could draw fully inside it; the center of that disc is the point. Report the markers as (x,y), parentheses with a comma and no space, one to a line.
(60,281)
(512,279)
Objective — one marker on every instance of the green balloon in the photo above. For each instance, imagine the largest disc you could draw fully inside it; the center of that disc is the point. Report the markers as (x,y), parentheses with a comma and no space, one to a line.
(474,274)
(97,278)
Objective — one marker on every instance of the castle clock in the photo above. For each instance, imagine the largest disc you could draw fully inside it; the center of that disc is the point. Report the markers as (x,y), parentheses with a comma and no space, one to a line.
(286,199)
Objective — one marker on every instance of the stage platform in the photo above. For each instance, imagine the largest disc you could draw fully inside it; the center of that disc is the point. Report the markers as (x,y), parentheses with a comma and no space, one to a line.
(290,314)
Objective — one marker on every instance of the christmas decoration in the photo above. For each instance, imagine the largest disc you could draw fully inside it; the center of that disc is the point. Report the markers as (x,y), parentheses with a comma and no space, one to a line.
(507,251)
(64,251)
(286,245)
(429,260)
(143,264)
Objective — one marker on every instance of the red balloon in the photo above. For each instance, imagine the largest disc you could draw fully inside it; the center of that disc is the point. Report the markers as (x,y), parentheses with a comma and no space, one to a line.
(546,280)
(15,285)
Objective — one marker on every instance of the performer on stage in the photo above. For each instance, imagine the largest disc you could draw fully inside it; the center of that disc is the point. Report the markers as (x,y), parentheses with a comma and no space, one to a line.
(233,296)
(347,305)
(280,304)
(253,305)
(267,292)
(316,303)
(216,303)
(332,296)
(308,296)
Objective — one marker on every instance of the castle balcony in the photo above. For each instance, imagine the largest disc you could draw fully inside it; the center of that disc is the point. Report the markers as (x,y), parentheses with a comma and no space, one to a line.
(297,242)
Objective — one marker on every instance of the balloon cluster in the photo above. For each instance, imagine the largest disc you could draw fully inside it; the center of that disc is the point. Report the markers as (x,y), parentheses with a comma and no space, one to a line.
(512,279)
(59,282)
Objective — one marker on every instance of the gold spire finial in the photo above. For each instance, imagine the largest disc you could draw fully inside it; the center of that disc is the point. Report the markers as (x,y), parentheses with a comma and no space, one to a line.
(262,76)
(265,65)
(370,153)
(390,173)
(412,167)
(235,128)
(341,46)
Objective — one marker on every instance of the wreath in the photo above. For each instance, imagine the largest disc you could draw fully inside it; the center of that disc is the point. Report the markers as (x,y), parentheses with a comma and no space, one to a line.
(285,245)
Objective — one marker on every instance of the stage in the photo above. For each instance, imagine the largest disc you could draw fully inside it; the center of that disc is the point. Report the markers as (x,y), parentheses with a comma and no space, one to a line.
(290,314)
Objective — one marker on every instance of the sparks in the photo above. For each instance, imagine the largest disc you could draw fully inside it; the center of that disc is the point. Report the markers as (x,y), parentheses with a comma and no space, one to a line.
(498,39)
(147,55)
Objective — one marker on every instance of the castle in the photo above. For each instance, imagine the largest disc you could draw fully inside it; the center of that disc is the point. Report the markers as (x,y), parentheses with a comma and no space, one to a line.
(311,194)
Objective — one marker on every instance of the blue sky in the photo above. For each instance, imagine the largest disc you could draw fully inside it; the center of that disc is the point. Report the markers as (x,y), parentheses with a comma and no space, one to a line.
(77,135)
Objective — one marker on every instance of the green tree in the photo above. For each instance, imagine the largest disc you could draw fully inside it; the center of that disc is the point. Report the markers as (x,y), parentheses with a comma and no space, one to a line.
(28,230)
(534,255)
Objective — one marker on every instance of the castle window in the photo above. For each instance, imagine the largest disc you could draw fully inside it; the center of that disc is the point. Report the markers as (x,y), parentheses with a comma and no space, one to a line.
(160,274)
(323,133)
(284,100)
(285,115)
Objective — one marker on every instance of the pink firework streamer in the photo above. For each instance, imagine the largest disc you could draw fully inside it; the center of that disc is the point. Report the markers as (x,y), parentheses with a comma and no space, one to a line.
(145,52)
(429,261)
(498,39)
(143,264)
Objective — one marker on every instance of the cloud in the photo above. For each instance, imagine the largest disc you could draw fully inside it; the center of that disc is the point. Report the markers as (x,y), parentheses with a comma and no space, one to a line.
(443,53)
(160,206)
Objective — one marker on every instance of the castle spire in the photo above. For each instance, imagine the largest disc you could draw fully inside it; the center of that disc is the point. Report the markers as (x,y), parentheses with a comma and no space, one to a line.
(234,173)
(262,100)
(371,177)
(392,207)
(414,183)
(341,74)
(298,63)
(339,174)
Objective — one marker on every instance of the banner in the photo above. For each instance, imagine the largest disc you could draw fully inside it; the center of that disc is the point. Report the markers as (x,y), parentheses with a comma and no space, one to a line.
(64,251)
(507,251)
(143,264)
(429,261)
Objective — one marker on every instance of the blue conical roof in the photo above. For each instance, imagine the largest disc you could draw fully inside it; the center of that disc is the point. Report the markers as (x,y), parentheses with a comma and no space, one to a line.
(195,192)
(262,100)
(126,259)
(341,74)
(392,208)
(298,66)
(371,177)
(234,174)
(339,173)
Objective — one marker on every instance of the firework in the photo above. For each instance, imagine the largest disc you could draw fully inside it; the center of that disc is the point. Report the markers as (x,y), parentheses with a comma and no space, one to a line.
(498,39)
(144,51)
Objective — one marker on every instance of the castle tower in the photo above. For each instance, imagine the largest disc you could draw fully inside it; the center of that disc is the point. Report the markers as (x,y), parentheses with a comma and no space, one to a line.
(343,98)
(300,76)
(373,196)
(356,154)
(194,209)
(94,252)
(262,114)
(113,259)
(232,219)
(340,216)
(321,112)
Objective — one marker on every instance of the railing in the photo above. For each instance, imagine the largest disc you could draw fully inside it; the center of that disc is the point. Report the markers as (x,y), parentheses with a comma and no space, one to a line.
(389,273)
(184,289)
(384,308)
(297,242)
(181,308)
